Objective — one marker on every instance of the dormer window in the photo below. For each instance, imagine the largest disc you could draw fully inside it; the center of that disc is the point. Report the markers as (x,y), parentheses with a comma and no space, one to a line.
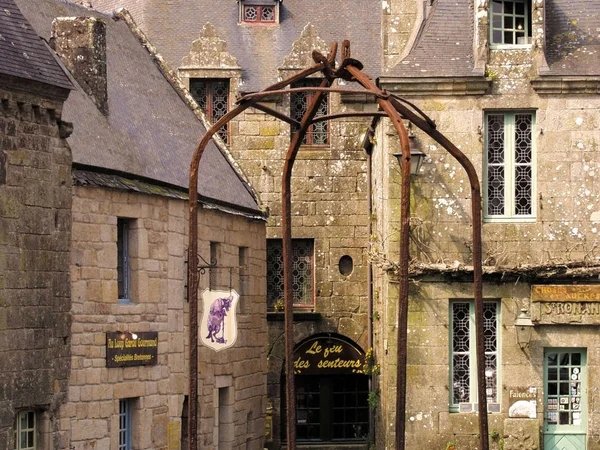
(510,22)
(259,12)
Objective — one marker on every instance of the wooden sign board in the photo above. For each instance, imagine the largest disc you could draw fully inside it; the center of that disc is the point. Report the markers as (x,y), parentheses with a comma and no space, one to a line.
(327,355)
(577,304)
(125,349)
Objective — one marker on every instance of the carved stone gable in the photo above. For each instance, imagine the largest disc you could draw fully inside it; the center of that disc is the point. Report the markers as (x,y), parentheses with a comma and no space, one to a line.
(209,51)
(301,55)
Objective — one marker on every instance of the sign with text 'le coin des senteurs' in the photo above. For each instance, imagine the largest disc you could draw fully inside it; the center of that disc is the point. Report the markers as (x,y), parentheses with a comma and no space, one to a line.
(125,348)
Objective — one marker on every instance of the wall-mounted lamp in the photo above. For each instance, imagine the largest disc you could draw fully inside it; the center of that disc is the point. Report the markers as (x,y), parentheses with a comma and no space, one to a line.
(416,158)
(524,328)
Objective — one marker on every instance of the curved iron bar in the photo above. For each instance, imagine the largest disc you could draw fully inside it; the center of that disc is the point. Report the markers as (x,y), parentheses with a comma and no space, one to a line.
(286,225)
(462,159)
(350,70)
(336,90)
(276,114)
(416,108)
(193,276)
(402,343)
(348,114)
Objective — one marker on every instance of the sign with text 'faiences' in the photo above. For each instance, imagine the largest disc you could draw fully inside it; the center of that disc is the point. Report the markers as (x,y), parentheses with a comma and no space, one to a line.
(131,349)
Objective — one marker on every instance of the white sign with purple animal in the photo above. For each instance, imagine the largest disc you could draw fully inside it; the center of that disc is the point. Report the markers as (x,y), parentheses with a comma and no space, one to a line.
(218,327)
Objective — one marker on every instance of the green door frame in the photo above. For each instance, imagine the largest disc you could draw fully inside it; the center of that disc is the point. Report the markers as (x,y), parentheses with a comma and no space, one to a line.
(565,398)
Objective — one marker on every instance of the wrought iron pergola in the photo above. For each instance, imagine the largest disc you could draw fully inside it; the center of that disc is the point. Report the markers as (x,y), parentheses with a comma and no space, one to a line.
(397,110)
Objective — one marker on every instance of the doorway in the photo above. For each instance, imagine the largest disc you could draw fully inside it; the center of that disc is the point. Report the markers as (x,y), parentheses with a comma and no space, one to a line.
(565,399)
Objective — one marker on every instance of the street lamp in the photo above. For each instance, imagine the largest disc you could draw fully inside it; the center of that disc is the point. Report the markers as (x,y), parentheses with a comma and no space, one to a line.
(524,327)
(416,159)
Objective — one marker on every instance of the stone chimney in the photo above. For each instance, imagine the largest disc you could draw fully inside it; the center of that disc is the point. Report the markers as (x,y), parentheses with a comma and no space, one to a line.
(81,44)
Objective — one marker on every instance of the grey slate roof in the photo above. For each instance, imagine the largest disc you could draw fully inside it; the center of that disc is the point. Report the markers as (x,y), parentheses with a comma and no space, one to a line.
(573,37)
(444,47)
(260,50)
(22,52)
(149,131)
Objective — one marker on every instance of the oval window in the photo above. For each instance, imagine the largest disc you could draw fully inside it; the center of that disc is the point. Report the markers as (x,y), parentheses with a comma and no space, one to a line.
(346,265)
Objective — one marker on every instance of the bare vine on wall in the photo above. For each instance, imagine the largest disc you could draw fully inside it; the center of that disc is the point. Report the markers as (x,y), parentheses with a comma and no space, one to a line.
(576,260)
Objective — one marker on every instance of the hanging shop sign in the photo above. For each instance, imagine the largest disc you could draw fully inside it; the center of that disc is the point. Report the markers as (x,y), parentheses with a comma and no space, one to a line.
(566,304)
(522,402)
(131,349)
(327,355)
(219,327)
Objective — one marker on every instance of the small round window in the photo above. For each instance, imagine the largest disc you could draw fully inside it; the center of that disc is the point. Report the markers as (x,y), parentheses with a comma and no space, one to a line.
(346,265)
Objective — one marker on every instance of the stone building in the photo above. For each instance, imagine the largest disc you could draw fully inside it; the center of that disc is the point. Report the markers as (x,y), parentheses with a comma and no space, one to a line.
(513,83)
(221,51)
(35,230)
(515,86)
(126,338)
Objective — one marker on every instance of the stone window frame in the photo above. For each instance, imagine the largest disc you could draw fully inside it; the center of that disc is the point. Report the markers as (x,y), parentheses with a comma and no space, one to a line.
(325,108)
(124,259)
(208,104)
(303,298)
(456,351)
(31,430)
(260,5)
(260,15)
(510,166)
(127,419)
(502,26)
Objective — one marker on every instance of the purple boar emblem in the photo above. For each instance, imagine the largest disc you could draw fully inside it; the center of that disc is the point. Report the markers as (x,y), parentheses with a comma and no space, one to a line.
(216,319)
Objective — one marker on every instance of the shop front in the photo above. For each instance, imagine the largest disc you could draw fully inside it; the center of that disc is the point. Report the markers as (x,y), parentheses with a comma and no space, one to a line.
(566,319)
(332,408)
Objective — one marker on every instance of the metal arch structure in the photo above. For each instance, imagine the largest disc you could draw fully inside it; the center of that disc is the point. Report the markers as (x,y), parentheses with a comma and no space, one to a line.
(397,110)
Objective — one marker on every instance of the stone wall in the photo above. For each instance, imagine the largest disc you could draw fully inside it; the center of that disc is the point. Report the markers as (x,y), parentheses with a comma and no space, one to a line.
(35,232)
(564,230)
(158,257)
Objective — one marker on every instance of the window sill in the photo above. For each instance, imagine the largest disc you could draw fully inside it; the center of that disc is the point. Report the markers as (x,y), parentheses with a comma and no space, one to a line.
(511,46)
(299,316)
(509,220)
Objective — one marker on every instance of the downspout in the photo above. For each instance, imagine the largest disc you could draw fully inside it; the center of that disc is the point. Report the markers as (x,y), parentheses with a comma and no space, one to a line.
(367,145)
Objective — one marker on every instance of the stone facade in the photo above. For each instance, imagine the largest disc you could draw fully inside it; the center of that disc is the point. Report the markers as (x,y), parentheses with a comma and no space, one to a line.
(90,419)
(437,53)
(329,200)
(35,231)
(518,254)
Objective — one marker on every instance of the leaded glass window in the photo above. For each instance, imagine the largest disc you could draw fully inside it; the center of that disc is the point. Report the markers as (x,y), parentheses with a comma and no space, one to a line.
(509,170)
(258,14)
(212,95)
(463,359)
(302,272)
(510,22)
(318,133)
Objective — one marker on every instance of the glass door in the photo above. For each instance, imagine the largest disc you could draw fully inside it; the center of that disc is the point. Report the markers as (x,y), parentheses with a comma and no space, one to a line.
(565,399)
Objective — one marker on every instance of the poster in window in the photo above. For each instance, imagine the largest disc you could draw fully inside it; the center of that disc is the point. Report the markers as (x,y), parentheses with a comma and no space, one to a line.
(219,327)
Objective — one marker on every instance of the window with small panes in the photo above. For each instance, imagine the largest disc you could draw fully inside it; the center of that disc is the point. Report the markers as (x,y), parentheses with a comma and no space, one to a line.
(509,173)
(212,95)
(510,22)
(463,370)
(317,133)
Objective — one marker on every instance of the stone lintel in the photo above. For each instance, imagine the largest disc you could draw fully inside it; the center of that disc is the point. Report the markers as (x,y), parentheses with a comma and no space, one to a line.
(567,85)
(437,85)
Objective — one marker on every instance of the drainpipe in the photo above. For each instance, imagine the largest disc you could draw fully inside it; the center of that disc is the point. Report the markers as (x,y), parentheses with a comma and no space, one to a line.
(367,145)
